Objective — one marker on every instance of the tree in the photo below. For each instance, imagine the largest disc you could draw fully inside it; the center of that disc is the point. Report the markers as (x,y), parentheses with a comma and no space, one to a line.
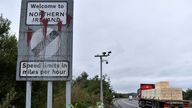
(8,58)
(83,76)
(188,94)
(86,92)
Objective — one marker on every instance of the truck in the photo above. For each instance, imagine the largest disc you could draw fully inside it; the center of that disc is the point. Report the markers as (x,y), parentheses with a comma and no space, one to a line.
(160,95)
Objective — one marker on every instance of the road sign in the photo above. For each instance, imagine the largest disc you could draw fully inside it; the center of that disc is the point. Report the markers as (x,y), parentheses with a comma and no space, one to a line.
(43,68)
(54,11)
(45,40)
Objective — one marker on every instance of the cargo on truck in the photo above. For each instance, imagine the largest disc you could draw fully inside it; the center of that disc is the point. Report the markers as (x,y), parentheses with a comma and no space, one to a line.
(160,95)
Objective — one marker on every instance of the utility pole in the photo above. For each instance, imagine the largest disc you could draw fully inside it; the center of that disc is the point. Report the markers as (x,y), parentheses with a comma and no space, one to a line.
(104,54)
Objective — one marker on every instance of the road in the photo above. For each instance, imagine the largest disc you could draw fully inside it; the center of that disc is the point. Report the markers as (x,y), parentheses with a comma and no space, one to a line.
(125,103)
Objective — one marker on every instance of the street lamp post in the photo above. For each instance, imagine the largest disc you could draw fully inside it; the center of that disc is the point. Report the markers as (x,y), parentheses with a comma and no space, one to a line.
(104,54)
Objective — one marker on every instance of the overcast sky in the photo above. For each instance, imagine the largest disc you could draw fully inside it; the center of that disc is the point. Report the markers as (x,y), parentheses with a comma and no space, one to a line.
(150,40)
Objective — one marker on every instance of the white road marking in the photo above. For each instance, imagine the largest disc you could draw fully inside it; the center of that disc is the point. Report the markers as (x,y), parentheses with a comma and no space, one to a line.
(128,103)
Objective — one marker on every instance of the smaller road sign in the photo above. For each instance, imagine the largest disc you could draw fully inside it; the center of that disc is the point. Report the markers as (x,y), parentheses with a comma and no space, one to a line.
(54,11)
(43,68)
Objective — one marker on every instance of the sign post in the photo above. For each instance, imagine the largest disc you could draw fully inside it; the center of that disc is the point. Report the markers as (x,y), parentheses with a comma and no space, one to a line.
(68,94)
(49,94)
(28,94)
(45,44)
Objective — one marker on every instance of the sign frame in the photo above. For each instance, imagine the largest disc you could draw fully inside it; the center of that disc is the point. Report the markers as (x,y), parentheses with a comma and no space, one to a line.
(26,38)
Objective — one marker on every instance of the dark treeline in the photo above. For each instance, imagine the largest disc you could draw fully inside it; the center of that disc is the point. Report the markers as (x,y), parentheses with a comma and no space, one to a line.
(187,95)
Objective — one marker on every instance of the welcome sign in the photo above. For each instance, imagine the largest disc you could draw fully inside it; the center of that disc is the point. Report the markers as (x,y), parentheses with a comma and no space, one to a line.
(54,12)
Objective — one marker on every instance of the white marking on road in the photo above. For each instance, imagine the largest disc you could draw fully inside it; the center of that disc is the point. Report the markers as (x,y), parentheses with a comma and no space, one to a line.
(128,103)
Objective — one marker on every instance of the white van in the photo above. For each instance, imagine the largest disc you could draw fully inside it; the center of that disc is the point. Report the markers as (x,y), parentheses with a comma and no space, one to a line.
(130,98)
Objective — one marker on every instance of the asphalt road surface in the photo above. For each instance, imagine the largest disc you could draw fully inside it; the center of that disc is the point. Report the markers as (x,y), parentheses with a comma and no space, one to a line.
(125,103)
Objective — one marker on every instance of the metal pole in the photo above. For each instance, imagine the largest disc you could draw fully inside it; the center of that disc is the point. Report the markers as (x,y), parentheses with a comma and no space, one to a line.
(101,83)
(49,94)
(68,94)
(28,94)
(104,54)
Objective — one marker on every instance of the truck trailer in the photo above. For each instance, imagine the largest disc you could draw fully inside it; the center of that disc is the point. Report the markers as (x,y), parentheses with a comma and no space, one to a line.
(160,95)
